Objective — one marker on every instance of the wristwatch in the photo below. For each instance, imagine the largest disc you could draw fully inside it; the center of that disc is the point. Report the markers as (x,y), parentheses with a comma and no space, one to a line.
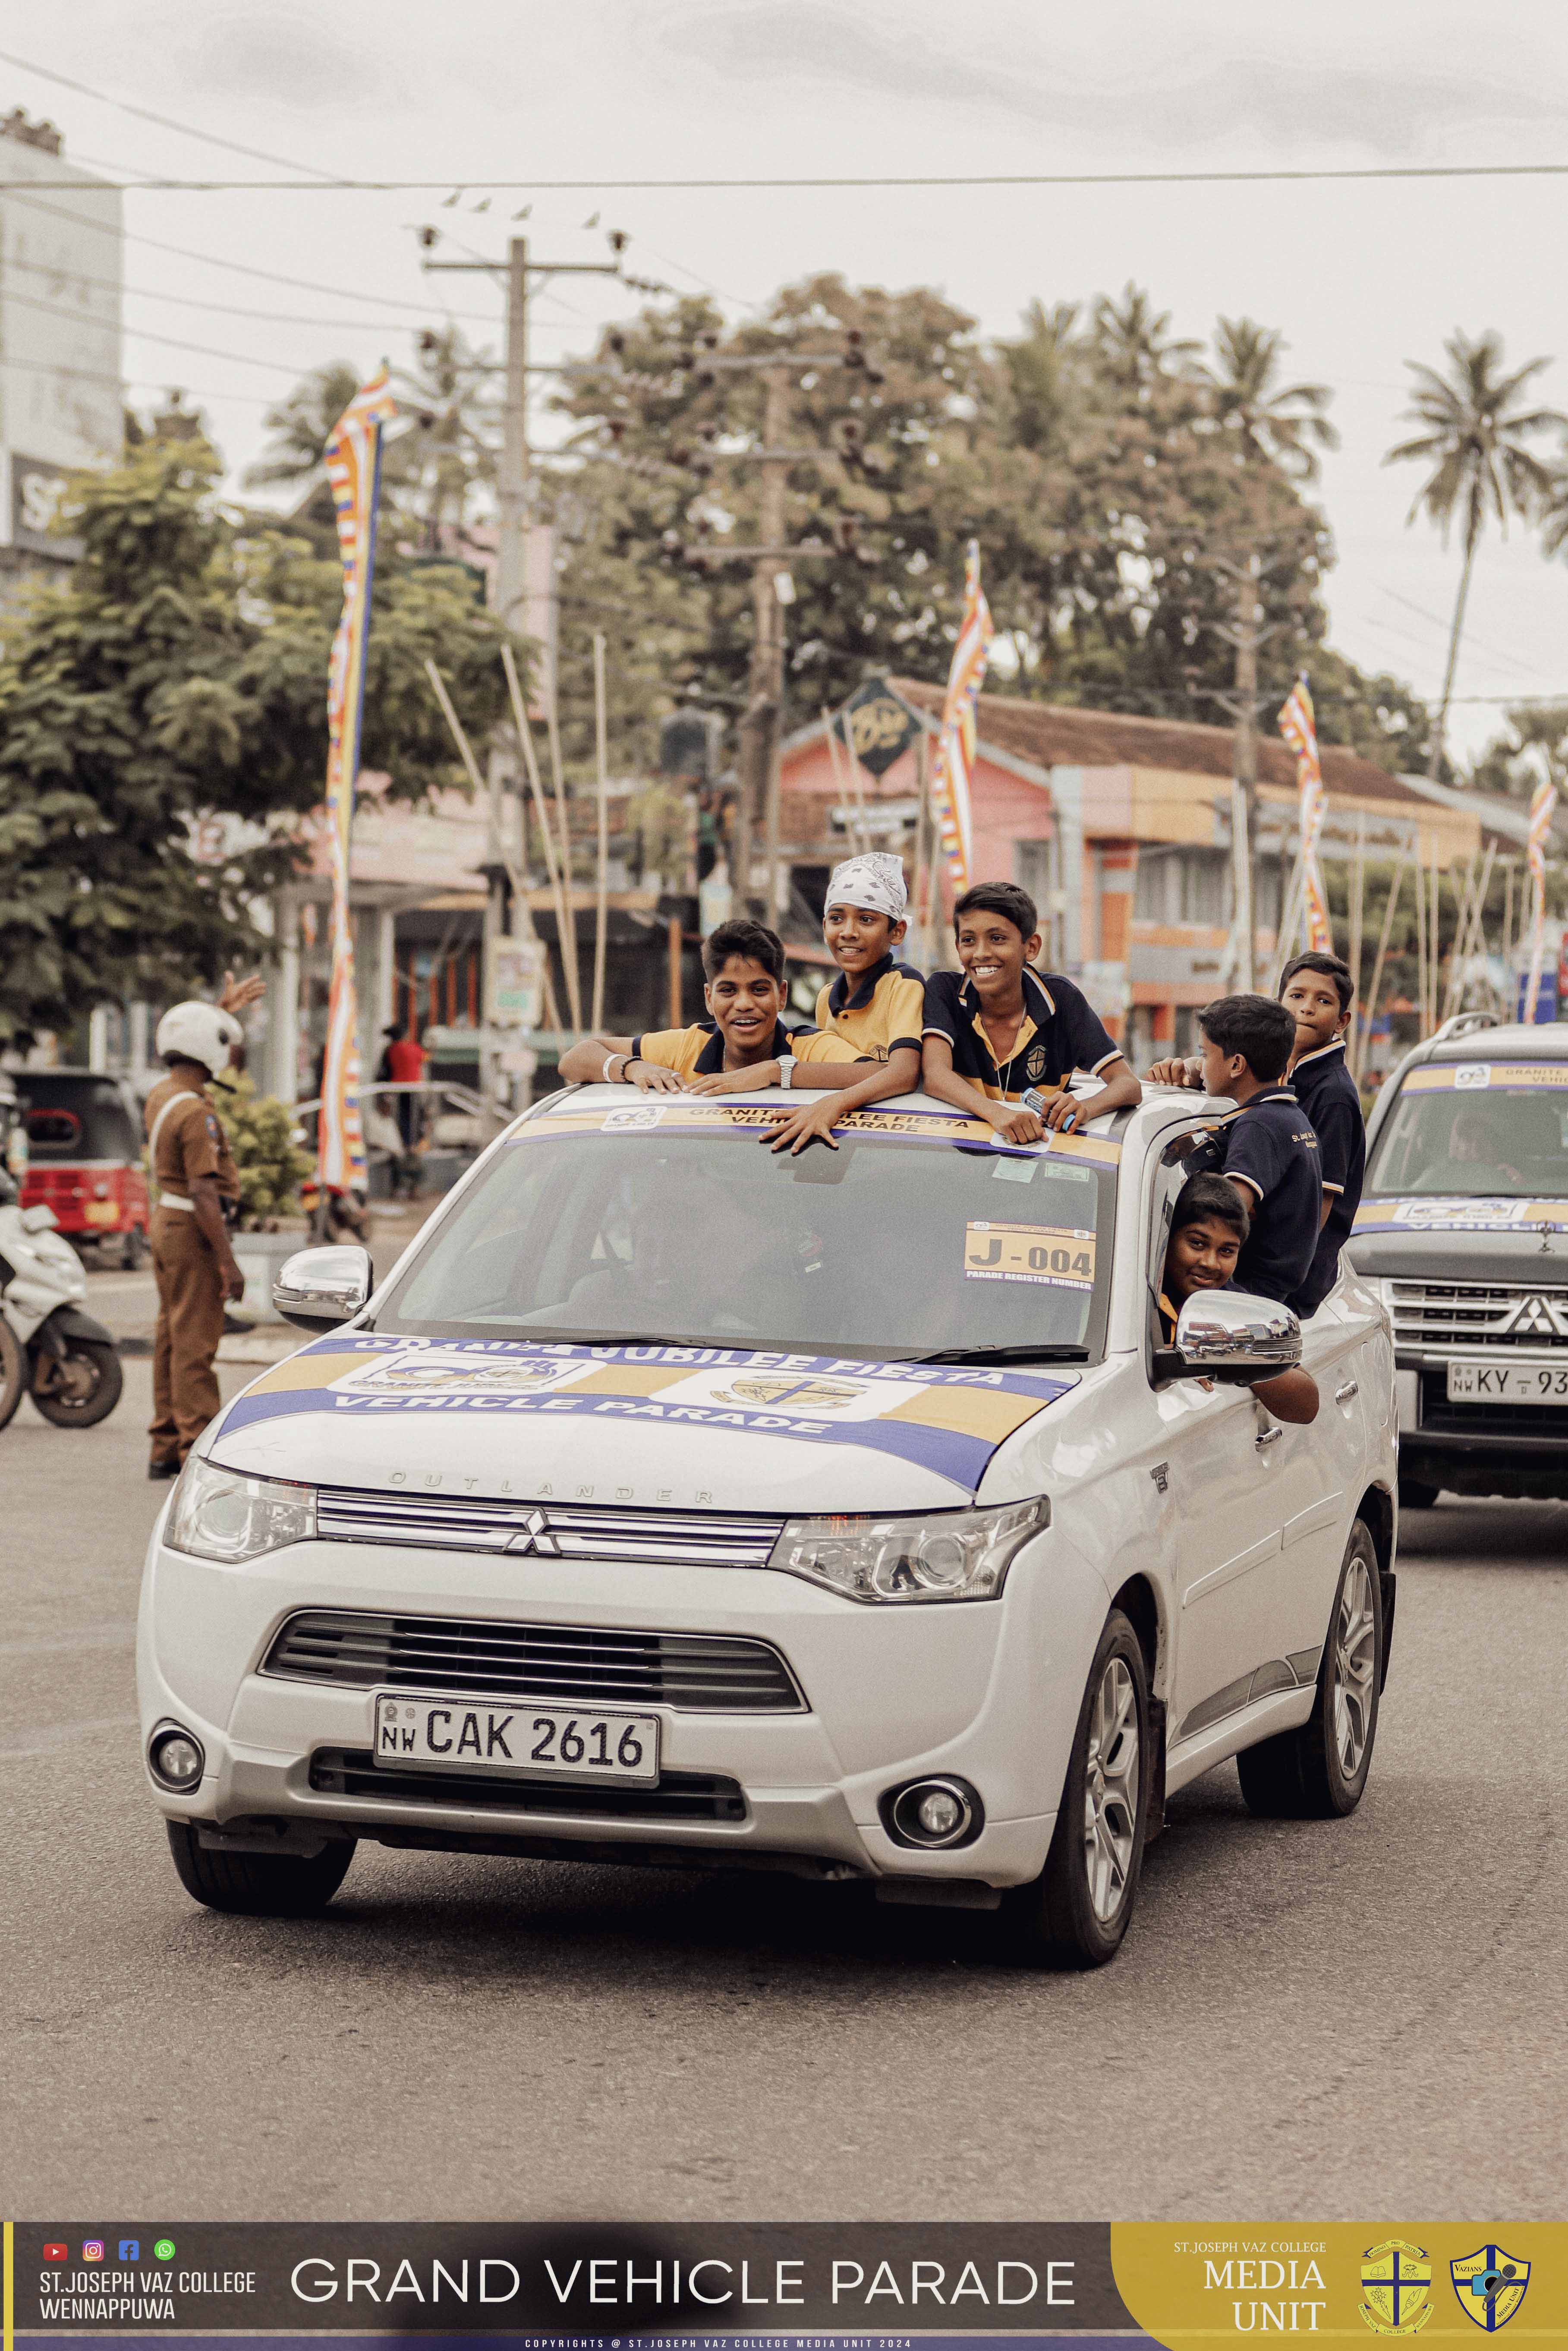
(786,1070)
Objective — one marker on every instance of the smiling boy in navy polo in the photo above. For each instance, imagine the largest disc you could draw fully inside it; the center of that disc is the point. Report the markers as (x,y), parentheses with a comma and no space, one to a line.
(1267,1143)
(1317,990)
(996,1028)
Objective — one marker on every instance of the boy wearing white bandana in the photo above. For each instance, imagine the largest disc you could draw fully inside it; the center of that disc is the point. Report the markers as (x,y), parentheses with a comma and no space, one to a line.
(876,1003)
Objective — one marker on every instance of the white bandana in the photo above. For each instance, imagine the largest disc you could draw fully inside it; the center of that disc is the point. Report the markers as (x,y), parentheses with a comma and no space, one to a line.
(874,880)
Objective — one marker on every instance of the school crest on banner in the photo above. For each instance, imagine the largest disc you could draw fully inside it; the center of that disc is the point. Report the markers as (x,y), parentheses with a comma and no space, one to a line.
(1490,2284)
(1396,2287)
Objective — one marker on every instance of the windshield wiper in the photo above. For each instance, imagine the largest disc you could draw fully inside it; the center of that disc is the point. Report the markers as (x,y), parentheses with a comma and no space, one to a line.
(1026,1354)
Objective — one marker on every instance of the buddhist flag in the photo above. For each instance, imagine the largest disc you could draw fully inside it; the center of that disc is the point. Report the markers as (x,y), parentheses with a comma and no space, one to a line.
(1299,727)
(353,468)
(1543,806)
(954,758)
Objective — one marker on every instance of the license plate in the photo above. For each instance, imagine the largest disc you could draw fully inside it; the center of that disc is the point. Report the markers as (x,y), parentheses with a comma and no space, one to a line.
(101,1212)
(502,1736)
(1508,1383)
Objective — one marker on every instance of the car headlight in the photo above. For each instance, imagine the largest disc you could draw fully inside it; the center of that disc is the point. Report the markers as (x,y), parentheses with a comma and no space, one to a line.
(217,1515)
(941,1555)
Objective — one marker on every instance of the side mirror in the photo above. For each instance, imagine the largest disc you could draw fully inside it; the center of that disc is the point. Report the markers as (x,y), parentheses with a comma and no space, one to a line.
(320,1287)
(1226,1335)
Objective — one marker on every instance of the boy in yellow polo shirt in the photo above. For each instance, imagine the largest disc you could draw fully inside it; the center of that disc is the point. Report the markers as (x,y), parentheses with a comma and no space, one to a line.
(742,1048)
(876,1004)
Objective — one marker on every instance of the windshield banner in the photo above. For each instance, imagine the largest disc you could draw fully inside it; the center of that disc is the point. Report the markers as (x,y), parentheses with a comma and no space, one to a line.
(686,1113)
(948,1418)
(1480,1077)
(1460,1216)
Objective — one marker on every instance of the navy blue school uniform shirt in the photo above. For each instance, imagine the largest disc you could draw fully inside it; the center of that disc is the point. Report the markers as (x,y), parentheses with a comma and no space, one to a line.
(1324,1086)
(1269,1149)
(1061,1032)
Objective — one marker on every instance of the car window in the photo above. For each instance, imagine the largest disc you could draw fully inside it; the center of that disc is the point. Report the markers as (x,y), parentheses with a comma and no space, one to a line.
(1475,1130)
(889,1246)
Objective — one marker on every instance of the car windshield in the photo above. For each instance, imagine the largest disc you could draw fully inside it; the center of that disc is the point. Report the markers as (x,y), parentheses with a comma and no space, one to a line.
(670,1223)
(1477,1129)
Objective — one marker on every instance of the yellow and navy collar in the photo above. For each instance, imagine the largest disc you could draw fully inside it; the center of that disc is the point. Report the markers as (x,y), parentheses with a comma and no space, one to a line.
(1034,1011)
(841,1000)
(711,1058)
(1320,1055)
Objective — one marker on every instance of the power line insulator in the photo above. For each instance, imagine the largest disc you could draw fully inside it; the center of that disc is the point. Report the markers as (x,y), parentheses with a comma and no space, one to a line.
(618,240)
(428,237)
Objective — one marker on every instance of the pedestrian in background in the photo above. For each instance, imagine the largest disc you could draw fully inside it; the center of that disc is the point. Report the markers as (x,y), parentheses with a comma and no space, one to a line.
(198,1187)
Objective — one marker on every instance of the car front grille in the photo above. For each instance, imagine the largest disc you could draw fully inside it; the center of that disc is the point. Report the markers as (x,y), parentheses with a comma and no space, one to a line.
(678,1796)
(1429,1315)
(1440,1417)
(547,1530)
(697,1673)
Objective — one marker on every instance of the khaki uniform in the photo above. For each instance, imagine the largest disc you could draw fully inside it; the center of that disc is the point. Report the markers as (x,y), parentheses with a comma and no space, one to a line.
(187,1144)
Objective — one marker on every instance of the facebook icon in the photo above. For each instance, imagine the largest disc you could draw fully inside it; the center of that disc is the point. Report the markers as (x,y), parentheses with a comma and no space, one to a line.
(131,2249)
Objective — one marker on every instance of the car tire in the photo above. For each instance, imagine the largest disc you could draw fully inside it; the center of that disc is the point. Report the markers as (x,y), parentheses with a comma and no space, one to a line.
(1076,1912)
(97,1382)
(1415,1494)
(12,1373)
(259,1884)
(1318,1771)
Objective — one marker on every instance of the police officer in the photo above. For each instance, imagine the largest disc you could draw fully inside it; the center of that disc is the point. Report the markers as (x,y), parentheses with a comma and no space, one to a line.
(192,1258)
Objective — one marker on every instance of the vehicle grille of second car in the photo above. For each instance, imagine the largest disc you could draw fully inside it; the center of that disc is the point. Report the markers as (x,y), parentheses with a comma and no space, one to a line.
(1443,1314)
(696,1673)
(547,1530)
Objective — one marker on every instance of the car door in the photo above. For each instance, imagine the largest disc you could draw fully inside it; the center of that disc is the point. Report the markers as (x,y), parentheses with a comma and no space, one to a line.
(1222,1468)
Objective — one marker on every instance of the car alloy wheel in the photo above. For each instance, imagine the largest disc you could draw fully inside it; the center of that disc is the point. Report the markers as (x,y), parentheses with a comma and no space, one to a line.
(1110,1791)
(1354,1668)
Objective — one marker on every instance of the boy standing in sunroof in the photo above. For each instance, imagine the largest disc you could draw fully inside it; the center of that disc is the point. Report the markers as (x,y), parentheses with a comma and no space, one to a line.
(875,1004)
(998,1029)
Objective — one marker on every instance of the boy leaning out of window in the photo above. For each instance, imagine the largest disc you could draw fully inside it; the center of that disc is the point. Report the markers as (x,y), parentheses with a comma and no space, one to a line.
(876,1004)
(1208,1229)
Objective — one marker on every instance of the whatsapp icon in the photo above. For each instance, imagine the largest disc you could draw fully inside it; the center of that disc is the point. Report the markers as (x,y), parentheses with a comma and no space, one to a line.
(163,2250)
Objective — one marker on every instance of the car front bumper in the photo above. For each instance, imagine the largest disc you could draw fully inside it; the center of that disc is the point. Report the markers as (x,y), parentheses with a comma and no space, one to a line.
(979,1690)
(1486,1449)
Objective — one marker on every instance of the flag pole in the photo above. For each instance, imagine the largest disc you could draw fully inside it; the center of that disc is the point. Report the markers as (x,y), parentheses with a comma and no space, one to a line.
(602,896)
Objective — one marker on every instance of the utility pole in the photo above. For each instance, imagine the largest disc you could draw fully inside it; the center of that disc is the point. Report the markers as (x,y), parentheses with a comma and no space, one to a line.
(513,502)
(1245,634)
(770,558)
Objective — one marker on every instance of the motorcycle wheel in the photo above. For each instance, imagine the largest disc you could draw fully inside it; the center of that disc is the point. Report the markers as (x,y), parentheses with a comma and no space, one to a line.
(12,1373)
(89,1385)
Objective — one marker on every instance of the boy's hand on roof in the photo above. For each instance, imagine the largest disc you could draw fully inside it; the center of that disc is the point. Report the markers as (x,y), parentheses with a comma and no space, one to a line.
(1014,1124)
(752,1080)
(652,1078)
(1178,1073)
(1064,1111)
(813,1123)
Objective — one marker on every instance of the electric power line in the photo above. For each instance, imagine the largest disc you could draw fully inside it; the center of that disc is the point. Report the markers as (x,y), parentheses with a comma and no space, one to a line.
(1306,175)
(164,121)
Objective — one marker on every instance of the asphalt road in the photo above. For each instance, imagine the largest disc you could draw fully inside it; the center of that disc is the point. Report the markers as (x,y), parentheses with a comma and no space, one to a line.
(1307,2022)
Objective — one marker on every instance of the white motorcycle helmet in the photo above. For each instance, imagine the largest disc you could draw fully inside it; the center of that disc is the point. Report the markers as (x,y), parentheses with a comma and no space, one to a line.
(198,1032)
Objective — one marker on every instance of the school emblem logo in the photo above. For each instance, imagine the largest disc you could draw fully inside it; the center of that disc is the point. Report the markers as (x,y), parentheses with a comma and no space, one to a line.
(1396,2287)
(483,1379)
(1491,2285)
(1034,1065)
(771,1389)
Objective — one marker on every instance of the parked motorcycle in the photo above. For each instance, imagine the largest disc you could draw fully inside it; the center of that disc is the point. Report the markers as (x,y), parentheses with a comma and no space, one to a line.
(65,1361)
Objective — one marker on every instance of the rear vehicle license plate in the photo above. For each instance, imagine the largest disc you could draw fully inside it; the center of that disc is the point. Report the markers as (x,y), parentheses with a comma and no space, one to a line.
(528,1741)
(1507,1383)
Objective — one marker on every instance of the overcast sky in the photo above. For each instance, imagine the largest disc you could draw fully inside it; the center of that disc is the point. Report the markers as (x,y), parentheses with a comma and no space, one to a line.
(1361,278)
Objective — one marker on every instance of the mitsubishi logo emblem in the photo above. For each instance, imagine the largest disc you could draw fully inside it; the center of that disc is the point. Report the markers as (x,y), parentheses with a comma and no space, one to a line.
(1533,1317)
(536,1538)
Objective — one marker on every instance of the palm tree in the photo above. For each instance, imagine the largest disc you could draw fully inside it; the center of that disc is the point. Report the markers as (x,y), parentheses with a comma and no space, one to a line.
(435,469)
(1278,422)
(302,425)
(1133,340)
(1045,369)
(1473,439)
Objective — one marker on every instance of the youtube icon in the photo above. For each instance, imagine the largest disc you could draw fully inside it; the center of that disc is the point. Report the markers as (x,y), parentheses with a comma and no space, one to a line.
(57,2253)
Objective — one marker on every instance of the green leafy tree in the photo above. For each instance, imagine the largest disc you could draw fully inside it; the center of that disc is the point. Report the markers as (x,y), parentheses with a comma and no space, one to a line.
(162,728)
(1473,439)
(260,1133)
(444,457)
(1278,423)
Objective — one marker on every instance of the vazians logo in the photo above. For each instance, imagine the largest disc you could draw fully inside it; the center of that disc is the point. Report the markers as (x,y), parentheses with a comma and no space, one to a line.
(801,1394)
(1490,2284)
(1396,2287)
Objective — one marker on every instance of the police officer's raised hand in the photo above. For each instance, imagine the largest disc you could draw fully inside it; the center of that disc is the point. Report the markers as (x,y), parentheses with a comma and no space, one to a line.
(235,994)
